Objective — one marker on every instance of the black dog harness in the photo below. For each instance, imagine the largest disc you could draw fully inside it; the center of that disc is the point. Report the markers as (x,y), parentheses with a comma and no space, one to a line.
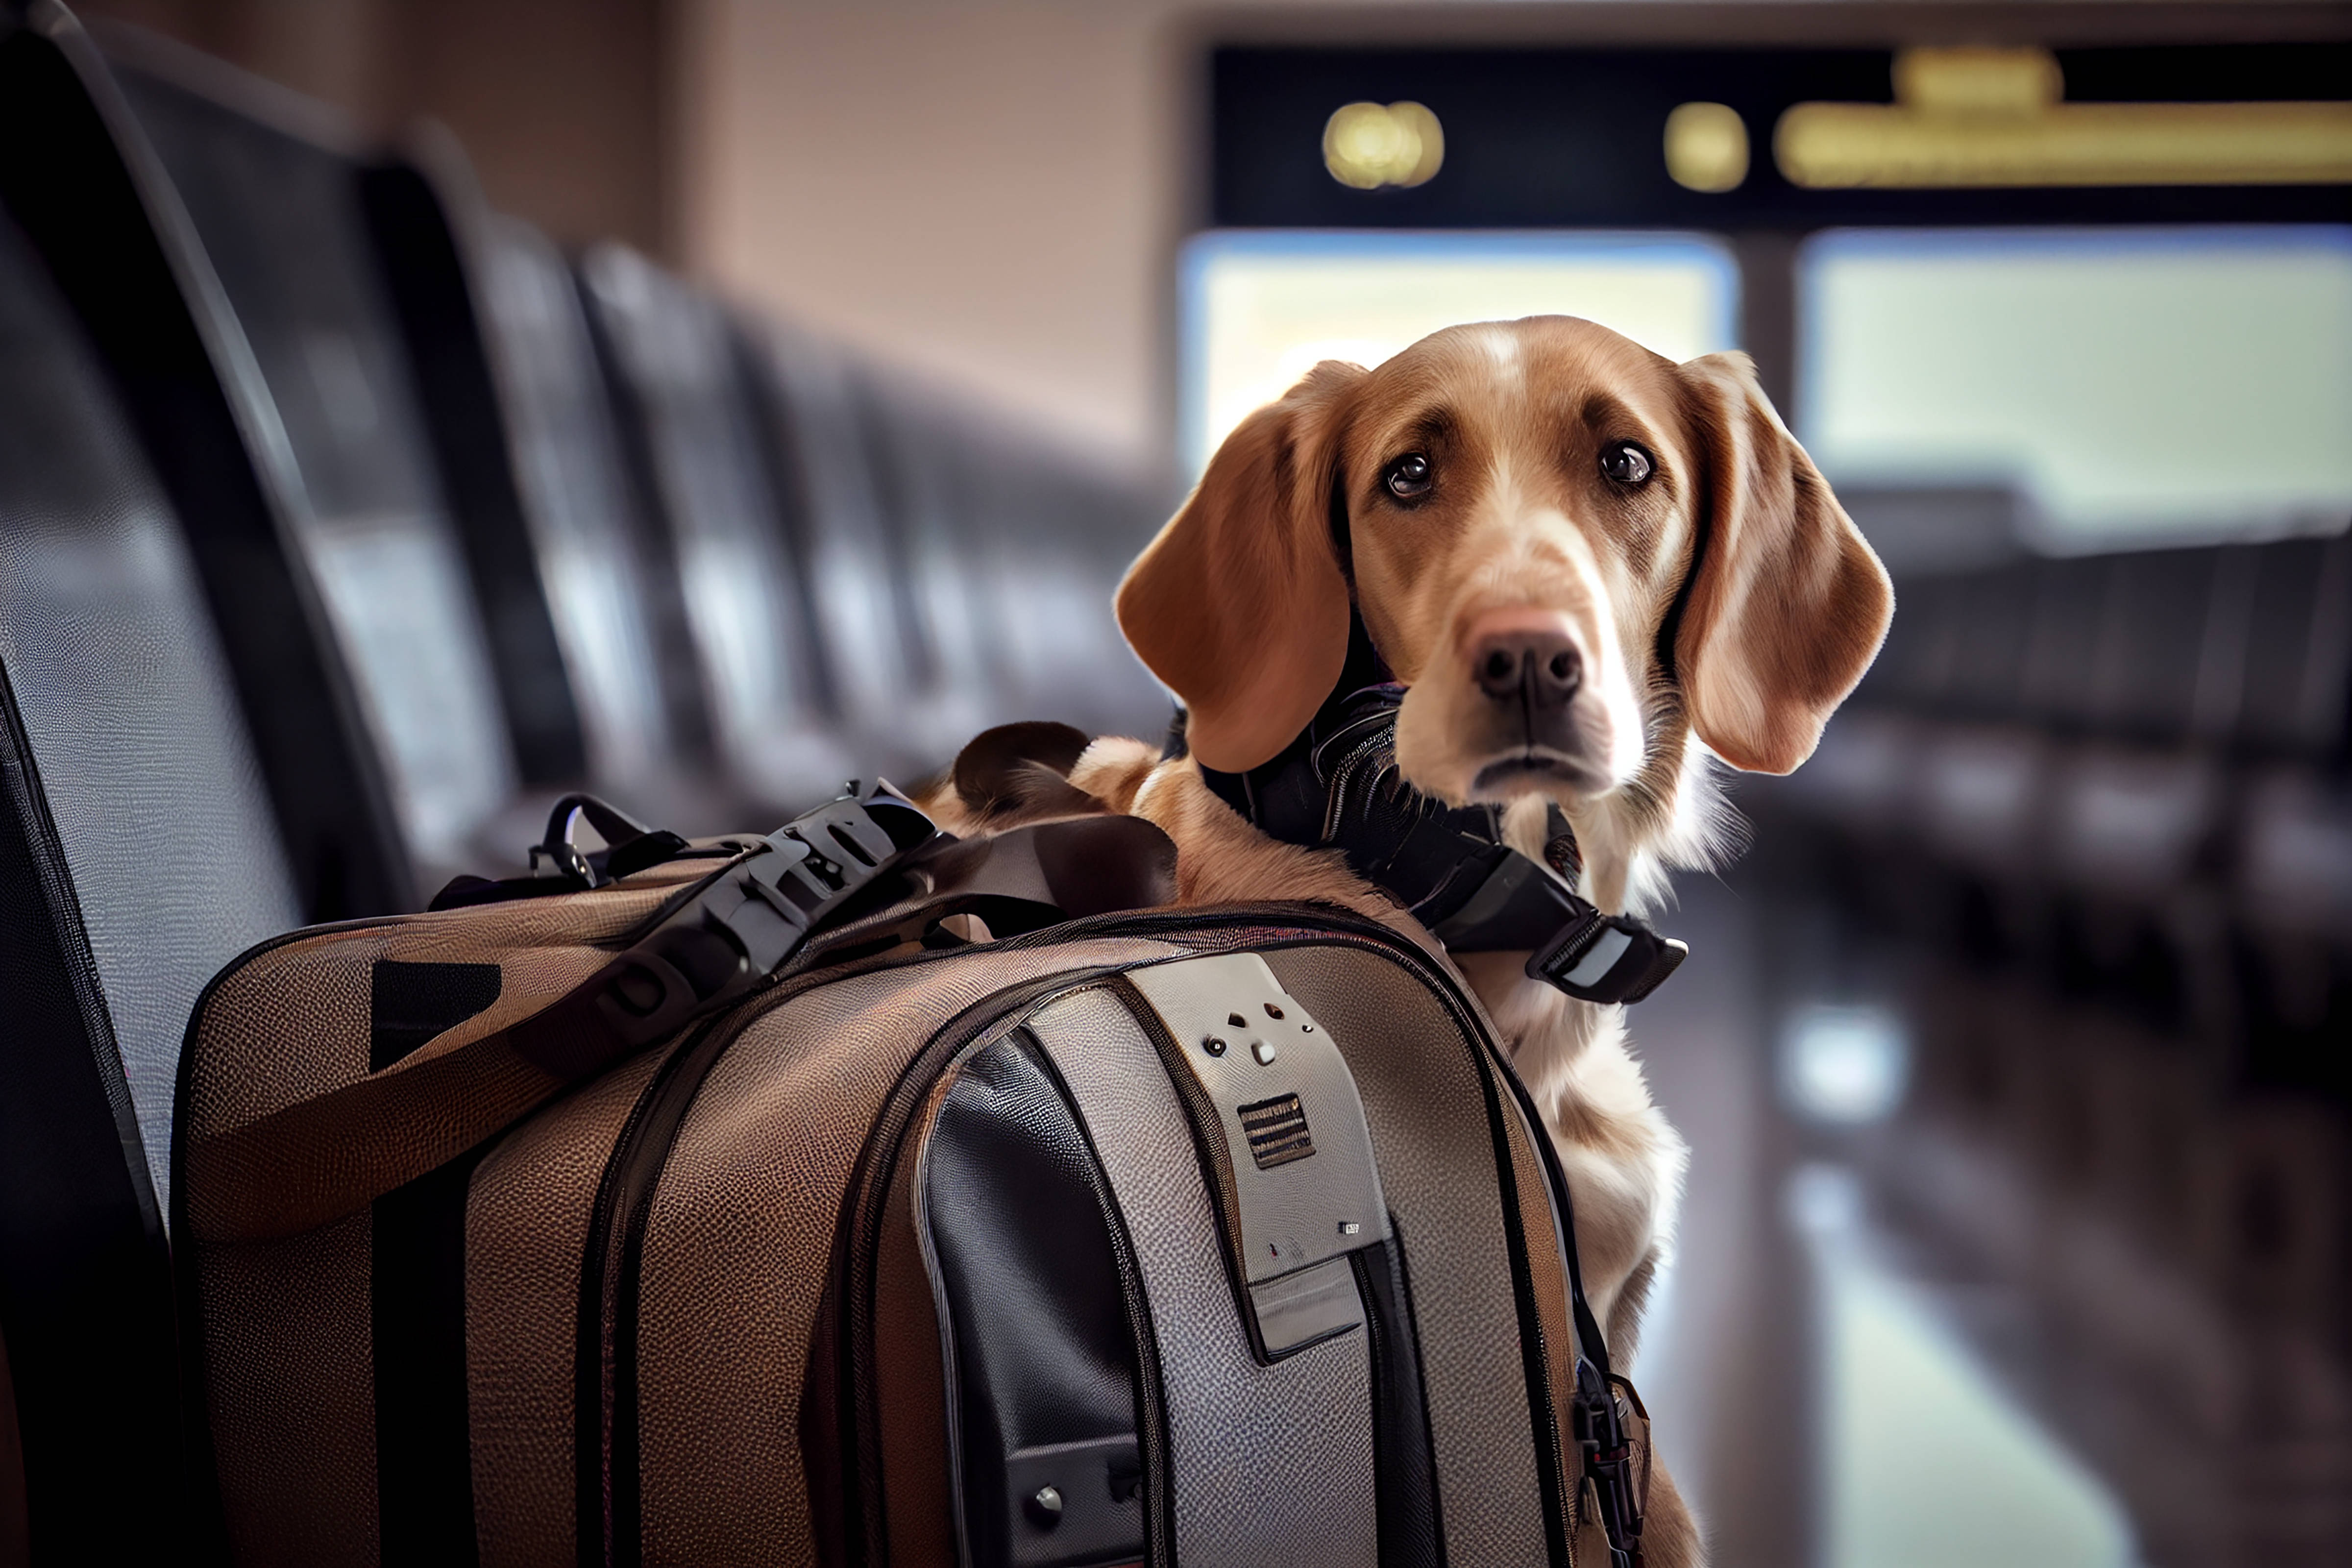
(1337,786)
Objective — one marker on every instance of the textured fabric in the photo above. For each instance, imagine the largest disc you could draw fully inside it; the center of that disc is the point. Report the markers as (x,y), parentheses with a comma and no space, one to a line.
(110,653)
(284,1324)
(1427,1112)
(289,1387)
(526,1230)
(740,1232)
(1273,1464)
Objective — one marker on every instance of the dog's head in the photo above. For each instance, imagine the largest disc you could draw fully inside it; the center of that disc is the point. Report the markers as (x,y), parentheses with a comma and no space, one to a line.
(1559,541)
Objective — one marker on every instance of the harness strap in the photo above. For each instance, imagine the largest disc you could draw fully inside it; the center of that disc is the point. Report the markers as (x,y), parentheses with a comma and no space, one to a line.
(1337,785)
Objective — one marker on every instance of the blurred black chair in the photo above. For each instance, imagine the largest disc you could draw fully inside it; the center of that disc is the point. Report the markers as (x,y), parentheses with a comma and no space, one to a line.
(2297,694)
(691,430)
(843,524)
(504,303)
(2293,883)
(1055,537)
(940,479)
(155,818)
(960,574)
(2137,806)
(87,192)
(462,415)
(280,209)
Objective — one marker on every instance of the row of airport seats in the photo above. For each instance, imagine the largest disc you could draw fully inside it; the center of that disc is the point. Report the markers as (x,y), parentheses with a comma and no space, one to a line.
(344,525)
(2108,800)
(2132,769)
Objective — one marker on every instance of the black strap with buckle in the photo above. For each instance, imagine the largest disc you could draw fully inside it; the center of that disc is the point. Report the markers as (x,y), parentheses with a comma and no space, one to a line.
(1338,786)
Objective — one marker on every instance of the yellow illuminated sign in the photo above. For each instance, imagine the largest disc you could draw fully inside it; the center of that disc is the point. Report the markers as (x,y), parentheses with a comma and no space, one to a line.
(1369,145)
(1995,117)
(1707,147)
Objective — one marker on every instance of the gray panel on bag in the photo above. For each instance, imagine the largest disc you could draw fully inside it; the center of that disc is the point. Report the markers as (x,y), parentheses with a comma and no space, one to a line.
(1273,1465)
(1298,1151)
(1426,1106)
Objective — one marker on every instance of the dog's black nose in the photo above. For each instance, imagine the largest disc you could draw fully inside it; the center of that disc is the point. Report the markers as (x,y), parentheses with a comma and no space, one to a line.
(1541,669)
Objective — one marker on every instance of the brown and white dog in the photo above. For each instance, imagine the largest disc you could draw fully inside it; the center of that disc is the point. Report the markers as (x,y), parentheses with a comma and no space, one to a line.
(1596,571)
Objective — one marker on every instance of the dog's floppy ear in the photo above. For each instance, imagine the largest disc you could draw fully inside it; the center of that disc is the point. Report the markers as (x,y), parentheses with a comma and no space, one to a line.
(1788,604)
(1239,604)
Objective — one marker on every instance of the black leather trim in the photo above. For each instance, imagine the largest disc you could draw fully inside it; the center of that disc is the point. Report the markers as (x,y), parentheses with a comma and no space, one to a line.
(606,1499)
(1412,1530)
(416,1290)
(76,173)
(1019,1223)
(409,1004)
(416,1293)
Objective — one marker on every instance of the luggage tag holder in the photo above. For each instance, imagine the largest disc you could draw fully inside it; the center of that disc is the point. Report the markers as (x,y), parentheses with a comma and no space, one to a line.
(1283,1129)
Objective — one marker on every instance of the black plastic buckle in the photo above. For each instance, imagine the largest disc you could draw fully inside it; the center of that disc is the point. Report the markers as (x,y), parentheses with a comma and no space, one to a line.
(739,931)
(1600,1427)
(732,935)
(1606,958)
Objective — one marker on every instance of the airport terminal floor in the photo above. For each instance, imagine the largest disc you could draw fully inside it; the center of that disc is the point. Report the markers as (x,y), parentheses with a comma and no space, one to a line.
(497,501)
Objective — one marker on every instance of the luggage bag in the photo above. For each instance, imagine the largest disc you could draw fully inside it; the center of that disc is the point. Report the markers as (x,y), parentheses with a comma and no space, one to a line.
(856,1194)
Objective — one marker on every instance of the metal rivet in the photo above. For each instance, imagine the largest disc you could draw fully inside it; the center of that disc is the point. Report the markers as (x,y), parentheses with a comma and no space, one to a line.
(1213,1046)
(1043,1506)
(1272,1011)
(1306,1028)
(1264,1051)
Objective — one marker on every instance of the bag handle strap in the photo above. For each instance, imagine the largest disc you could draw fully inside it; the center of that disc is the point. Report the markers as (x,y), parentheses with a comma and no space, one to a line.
(861,871)
(558,864)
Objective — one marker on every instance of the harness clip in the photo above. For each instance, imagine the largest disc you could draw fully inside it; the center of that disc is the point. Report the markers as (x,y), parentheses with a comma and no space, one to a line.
(1605,958)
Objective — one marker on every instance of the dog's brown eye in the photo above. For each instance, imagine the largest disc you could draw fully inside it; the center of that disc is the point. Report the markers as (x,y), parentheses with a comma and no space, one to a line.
(1408,479)
(1627,463)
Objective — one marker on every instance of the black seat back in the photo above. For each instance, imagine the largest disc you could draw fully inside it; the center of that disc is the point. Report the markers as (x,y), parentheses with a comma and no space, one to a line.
(2158,638)
(839,505)
(609,585)
(425,276)
(2298,655)
(1042,555)
(139,846)
(1006,553)
(281,218)
(932,474)
(81,182)
(2072,598)
(691,427)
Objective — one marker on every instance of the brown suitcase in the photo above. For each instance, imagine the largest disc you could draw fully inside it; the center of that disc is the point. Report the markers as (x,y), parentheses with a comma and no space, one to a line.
(755,1204)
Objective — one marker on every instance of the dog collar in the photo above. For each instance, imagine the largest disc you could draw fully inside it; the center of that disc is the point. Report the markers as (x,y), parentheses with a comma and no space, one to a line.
(1337,786)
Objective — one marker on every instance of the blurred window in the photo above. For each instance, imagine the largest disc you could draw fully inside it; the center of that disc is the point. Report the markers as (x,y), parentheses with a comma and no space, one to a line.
(1261,307)
(2126,386)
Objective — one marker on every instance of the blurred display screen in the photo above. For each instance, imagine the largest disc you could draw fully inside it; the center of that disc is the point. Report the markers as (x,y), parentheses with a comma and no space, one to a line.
(1261,308)
(2129,387)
